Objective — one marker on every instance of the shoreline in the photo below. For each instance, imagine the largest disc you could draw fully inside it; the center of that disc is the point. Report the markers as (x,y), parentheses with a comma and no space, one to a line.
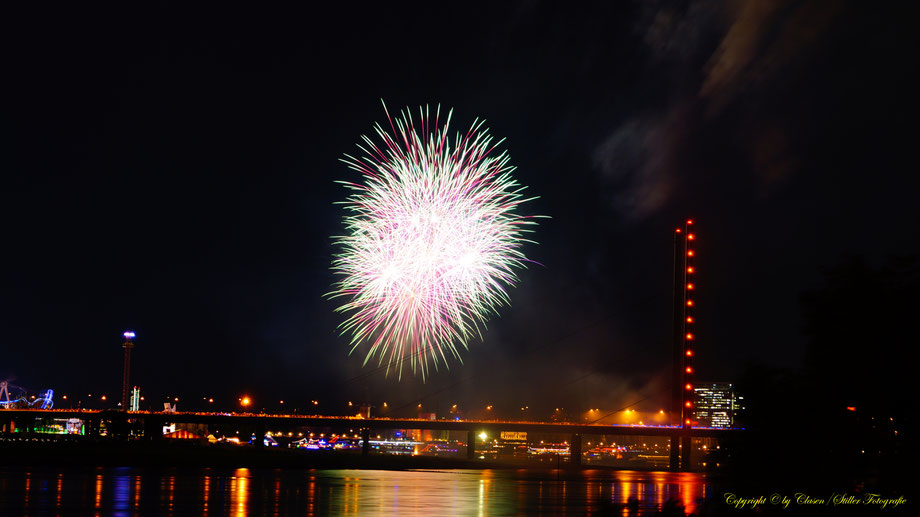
(194,455)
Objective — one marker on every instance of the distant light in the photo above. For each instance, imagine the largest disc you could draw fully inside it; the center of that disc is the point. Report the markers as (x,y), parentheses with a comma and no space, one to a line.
(129,334)
(690,236)
(689,370)
(677,230)
(688,404)
(690,269)
(689,319)
(689,337)
(689,253)
(689,386)
(689,353)
(851,408)
(689,221)
(689,303)
(690,287)
(688,421)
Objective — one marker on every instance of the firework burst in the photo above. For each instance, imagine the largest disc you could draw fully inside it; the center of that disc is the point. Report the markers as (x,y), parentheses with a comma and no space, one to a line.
(432,241)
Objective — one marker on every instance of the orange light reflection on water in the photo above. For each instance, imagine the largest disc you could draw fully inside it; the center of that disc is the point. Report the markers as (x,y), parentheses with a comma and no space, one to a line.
(634,491)
(276,492)
(311,497)
(25,502)
(239,487)
(205,494)
(171,492)
(98,502)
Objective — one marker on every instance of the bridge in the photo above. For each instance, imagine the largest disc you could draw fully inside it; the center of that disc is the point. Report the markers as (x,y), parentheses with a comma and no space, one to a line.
(153,422)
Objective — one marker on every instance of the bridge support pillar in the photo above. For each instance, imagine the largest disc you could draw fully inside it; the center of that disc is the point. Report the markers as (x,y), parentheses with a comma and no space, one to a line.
(26,424)
(260,436)
(674,463)
(153,428)
(365,441)
(575,450)
(118,425)
(686,442)
(470,445)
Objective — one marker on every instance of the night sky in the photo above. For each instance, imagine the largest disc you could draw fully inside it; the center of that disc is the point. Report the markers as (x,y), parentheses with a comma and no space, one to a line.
(173,172)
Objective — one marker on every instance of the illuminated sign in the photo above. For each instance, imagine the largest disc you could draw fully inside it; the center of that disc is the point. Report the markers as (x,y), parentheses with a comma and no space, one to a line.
(511,435)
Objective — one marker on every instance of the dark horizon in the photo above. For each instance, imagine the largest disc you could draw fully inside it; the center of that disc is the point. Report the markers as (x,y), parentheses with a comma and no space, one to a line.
(172,172)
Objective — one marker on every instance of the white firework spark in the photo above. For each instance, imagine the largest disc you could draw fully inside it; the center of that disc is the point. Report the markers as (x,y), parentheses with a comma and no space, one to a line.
(432,241)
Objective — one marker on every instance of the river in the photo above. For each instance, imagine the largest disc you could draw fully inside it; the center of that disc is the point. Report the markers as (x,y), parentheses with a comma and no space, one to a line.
(130,491)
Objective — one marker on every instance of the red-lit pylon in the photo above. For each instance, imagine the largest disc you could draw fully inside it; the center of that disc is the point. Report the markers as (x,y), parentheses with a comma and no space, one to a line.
(687,321)
(685,286)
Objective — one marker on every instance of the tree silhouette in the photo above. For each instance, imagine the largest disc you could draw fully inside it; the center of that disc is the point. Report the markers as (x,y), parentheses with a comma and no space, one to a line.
(846,415)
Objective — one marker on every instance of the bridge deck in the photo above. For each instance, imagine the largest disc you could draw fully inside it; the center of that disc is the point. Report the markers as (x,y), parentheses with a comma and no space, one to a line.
(269,420)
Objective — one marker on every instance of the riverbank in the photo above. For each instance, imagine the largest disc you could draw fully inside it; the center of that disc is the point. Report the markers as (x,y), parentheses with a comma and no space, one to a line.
(106,453)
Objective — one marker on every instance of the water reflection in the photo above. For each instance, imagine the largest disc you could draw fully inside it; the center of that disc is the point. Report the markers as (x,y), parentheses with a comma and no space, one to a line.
(121,494)
(241,492)
(205,494)
(137,491)
(98,491)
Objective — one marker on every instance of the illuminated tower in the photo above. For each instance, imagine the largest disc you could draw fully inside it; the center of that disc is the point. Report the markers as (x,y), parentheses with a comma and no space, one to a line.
(127,345)
(684,305)
(135,399)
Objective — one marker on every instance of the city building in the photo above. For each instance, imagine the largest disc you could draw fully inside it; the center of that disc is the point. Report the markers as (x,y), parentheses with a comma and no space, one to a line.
(717,404)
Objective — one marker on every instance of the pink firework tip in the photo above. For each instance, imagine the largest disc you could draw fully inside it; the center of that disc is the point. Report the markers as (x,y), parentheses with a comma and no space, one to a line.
(432,240)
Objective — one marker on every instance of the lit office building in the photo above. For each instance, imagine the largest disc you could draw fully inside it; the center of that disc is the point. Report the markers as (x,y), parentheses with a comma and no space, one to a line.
(717,404)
